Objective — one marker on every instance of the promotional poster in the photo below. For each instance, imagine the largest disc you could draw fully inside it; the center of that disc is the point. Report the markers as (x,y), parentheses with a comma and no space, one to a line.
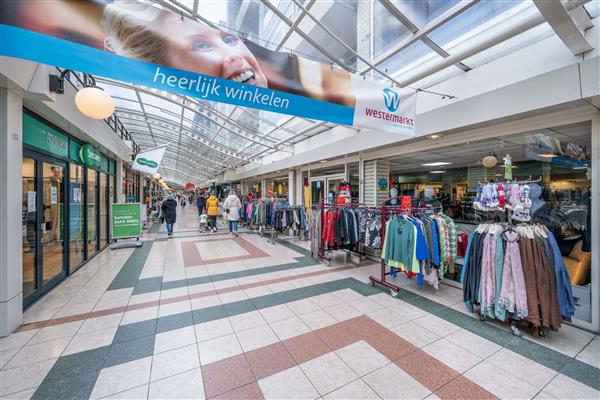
(145,44)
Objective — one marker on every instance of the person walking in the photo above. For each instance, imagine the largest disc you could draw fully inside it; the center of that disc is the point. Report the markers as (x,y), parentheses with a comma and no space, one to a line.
(232,206)
(169,212)
(200,203)
(212,210)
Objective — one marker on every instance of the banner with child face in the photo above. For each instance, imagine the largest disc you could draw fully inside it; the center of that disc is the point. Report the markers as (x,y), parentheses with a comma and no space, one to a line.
(144,44)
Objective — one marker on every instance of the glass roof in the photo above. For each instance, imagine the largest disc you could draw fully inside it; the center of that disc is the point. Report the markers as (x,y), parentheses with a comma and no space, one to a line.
(205,138)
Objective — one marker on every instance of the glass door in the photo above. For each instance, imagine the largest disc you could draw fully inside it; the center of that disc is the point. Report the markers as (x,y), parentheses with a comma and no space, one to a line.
(29,226)
(317,190)
(43,225)
(92,216)
(103,209)
(76,217)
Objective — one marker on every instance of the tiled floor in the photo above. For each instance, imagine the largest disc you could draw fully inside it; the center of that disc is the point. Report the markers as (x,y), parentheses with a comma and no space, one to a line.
(212,316)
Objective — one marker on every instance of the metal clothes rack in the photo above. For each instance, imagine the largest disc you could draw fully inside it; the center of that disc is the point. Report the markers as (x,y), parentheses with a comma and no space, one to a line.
(385,212)
(323,207)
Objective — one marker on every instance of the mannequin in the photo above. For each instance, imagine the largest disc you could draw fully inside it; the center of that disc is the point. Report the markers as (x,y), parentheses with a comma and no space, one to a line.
(535,191)
(393,201)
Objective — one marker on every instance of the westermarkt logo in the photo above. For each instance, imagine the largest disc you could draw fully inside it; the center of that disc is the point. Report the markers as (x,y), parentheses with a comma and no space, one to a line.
(147,163)
(391,99)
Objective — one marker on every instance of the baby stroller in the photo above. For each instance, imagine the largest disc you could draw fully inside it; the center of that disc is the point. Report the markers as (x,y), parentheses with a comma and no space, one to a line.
(203,222)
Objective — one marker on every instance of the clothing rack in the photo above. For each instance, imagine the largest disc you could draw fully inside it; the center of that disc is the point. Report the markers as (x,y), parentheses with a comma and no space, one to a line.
(323,206)
(385,212)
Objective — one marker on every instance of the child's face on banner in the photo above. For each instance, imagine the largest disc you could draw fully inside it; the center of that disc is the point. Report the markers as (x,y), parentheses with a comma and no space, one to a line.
(197,47)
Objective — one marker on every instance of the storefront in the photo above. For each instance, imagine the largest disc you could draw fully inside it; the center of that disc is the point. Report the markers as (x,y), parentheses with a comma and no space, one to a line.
(331,183)
(59,170)
(553,166)
(131,185)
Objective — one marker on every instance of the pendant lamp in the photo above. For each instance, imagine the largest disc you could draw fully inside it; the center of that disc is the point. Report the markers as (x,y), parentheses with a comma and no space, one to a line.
(490,161)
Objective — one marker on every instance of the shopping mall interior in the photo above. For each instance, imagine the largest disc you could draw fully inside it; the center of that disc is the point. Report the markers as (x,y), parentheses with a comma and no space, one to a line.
(300,199)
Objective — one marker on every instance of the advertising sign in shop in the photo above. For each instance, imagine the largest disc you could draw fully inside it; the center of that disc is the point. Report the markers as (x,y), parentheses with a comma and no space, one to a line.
(90,156)
(42,136)
(149,161)
(142,43)
(126,221)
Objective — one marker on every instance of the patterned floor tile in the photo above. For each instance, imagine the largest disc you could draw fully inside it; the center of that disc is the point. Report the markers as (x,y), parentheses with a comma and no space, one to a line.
(226,375)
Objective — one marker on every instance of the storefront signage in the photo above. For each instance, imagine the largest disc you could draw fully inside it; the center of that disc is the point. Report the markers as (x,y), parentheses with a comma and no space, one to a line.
(149,161)
(126,221)
(264,79)
(42,136)
(90,156)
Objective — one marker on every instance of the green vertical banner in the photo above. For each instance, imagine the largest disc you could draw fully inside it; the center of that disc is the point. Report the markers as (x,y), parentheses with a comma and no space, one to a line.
(126,220)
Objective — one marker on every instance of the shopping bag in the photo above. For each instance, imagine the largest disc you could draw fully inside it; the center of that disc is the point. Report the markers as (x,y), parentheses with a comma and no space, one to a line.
(203,219)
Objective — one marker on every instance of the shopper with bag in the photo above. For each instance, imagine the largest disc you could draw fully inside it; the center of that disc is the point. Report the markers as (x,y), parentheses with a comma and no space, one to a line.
(232,206)
(169,212)
(212,210)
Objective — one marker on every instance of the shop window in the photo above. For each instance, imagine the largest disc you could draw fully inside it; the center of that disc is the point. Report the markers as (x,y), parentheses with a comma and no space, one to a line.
(76,217)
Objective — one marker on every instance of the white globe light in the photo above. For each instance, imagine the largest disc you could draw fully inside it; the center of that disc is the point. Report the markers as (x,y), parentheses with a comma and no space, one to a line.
(94,103)
(489,161)
(156,176)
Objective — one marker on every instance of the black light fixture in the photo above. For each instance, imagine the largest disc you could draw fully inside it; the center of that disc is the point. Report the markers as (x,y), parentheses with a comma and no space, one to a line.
(91,100)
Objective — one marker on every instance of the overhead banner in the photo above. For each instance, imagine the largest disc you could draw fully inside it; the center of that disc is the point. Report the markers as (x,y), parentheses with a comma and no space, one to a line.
(147,45)
(149,161)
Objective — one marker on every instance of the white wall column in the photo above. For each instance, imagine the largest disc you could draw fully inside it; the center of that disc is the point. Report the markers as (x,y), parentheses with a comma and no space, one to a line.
(292,187)
(595,228)
(299,187)
(263,189)
(11,260)
(119,179)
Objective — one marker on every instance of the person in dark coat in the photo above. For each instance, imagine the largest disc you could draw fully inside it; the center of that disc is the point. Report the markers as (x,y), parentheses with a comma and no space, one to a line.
(169,212)
(200,202)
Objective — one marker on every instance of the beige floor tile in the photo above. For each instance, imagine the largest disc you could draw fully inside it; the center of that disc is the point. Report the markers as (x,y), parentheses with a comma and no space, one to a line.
(174,339)
(437,325)
(122,377)
(56,332)
(205,302)
(35,353)
(288,328)
(174,362)
(317,319)
(391,382)
(187,385)
(6,355)
(415,334)
(218,349)
(343,312)
(257,337)
(453,356)
(356,390)
(137,393)
(213,329)
(101,323)
(362,358)
(303,306)
(563,387)
(328,372)
(474,343)
(288,384)
(26,377)
(499,382)
(91,340)
(246,321)
(387,318)
(365,305)
(144,314)
(276,313)
(16,340)
(523,367)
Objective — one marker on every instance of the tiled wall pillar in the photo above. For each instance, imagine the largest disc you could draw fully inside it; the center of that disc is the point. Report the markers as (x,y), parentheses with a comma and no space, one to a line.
(119,183)
(292,187)
(11,261)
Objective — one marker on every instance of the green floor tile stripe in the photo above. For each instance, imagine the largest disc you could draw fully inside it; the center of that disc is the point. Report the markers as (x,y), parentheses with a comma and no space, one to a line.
(73,376)
(154,228)
(129,274)
(155,284)
(575,369)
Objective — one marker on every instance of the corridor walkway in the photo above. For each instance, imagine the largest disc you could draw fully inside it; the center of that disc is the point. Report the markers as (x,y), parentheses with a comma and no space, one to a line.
(201,315)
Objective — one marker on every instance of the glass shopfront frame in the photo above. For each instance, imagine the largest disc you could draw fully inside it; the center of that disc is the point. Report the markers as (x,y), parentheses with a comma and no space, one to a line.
(51,161)
(566,175)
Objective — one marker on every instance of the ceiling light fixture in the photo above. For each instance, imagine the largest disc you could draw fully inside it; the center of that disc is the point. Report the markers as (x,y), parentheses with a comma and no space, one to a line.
(490,161)
(437,172)
(91,100)
(436,164)
(435,136)
(547,155)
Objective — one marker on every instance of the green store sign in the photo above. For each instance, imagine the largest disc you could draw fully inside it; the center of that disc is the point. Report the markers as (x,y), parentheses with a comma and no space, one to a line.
(42,136)
(147,163)
(90,156)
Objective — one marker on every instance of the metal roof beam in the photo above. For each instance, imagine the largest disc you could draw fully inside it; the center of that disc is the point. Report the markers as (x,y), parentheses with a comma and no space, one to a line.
(564,26)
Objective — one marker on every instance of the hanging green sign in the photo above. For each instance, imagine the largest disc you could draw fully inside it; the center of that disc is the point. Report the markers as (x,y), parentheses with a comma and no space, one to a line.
(90,156)
(126,220)
(44,137)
